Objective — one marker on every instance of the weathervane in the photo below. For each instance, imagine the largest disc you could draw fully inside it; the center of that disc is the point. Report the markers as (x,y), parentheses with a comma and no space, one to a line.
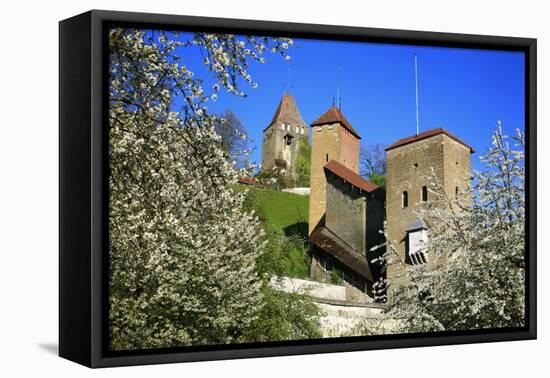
(288,86)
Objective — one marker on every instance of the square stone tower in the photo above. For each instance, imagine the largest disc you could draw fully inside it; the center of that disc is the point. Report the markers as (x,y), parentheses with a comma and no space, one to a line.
(409,165)
(333,138)
(281,138)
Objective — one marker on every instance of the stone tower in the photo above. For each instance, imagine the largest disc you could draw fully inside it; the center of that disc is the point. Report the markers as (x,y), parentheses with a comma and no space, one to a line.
(333,138)
(409,165)
(282,136)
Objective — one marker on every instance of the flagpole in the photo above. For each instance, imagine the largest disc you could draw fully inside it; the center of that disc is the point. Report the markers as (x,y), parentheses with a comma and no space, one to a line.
(338,87)
(416,89)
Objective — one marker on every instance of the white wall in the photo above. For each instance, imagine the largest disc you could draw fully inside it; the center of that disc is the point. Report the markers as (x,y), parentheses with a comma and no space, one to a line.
(28,186)
(311,288)
(299,191)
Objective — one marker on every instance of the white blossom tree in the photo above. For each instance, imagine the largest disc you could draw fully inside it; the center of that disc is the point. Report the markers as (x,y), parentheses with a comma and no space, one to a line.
(183,251)
(478,236)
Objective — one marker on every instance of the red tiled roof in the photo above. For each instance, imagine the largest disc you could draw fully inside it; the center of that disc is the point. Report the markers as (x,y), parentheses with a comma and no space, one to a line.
(246,180)
(334,115)
(287,112)
(354,179)
(325,239)
(424,135)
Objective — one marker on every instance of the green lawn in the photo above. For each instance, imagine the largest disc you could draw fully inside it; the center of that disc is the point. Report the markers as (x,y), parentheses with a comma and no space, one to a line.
(285,218)
(280,211)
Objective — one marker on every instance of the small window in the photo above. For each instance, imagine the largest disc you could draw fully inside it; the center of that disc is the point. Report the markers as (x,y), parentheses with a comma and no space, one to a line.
(415,165)
(326,158)
(405,199)
(456,191)
(424,194)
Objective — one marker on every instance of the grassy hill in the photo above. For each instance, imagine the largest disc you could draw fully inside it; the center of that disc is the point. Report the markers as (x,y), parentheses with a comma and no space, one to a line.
(285,217)
(287,212)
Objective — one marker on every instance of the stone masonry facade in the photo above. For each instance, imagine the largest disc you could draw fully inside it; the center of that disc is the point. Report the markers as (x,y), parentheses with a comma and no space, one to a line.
(347,212)
(281,138)
(355,216)
(409,170)
(329,141)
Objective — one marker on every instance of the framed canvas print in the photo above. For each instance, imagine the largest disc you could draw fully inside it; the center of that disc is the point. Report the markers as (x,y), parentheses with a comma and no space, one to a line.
(234,188)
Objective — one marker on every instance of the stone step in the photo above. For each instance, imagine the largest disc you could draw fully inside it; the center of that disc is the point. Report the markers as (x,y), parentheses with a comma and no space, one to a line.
(340,316)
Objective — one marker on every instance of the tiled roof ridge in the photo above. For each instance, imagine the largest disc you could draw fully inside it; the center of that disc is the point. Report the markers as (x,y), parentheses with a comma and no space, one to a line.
(353,178)
(425,135)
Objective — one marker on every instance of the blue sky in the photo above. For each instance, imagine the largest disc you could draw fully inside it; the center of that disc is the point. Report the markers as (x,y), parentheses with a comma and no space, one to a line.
(465,91)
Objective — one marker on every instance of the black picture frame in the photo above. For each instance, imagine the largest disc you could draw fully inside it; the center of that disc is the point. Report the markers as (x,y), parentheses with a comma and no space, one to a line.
(83,194)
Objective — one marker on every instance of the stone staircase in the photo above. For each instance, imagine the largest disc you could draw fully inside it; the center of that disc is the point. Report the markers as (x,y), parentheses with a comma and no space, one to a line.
(341,316)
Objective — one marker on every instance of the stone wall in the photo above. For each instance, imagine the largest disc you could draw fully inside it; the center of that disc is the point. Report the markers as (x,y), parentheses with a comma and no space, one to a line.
(274,146)
(409,168)
(328,142)
(325,268)
(457,167)
(346,212)
(357,219)
(272,140)
(310,288)
(325,145)
(349,150)
(344,312)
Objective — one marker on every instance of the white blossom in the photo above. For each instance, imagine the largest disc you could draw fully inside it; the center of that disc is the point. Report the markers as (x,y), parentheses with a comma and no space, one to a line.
(182,251)
(479,237)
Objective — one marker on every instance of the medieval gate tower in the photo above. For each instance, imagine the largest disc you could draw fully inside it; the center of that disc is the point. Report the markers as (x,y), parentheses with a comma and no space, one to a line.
(281,138)
(333,138)
(409,166)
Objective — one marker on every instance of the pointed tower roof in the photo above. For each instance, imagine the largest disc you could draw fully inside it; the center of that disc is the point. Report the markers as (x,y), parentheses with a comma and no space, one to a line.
(334,115)
(287,112)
